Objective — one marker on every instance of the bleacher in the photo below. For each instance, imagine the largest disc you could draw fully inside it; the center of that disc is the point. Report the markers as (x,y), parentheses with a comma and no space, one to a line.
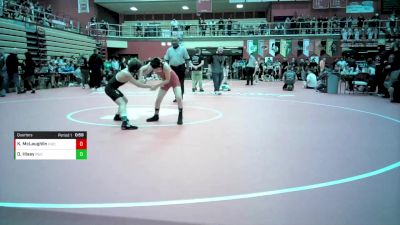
(13,36)
(43,43)
(63,43)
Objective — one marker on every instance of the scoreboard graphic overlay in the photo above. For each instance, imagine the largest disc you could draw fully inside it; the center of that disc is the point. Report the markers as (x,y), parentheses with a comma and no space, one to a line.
(50,145)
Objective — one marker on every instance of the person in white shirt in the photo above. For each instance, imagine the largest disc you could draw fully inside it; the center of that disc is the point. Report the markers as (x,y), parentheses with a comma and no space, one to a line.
(115,66)
(178,58)
(251,68)
(311,80)
(344,34)
(322,65)
(174,25)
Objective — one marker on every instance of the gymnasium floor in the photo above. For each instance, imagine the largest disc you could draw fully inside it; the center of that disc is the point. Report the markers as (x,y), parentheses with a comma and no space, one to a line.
(254,155)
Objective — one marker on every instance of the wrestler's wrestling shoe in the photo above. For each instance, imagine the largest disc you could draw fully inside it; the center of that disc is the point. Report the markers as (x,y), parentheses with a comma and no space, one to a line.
(155,118)
(127,126)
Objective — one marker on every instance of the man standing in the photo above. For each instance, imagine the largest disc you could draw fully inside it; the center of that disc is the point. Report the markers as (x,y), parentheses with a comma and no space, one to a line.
(96,67)
(12,70)
(177,56)
(3,74)
(216,67)
(197,71)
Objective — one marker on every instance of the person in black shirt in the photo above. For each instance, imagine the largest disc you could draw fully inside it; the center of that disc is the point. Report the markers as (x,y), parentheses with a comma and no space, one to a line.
(29,71)
(229,26)
(12,70)
(83,63)
(96,67)
(197,62)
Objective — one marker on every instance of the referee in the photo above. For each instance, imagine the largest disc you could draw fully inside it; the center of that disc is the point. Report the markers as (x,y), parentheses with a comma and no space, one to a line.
(178,58)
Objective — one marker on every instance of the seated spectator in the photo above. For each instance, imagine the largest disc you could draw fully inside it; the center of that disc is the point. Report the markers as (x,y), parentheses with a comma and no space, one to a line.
(311,80)
(289,78)
(372,78)
(394,91)
(78,74)
(391,79)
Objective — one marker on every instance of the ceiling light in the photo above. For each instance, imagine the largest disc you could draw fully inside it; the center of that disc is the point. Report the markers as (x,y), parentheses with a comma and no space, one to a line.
(239,6)
(133,8)
(185,7)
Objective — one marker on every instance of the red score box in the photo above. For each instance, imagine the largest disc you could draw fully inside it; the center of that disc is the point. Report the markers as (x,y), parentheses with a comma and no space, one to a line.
(81,144)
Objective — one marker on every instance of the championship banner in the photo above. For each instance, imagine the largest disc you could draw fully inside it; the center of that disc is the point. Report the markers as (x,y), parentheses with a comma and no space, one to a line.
(204,6)
(261,47)
(271,47)
(299,47)
(252,46)
(283,48)
(286,47)
(320,4)
(338,4)
(311,47)
(329,43)
(295,44)
(83,6)
(331,47)
(306,47)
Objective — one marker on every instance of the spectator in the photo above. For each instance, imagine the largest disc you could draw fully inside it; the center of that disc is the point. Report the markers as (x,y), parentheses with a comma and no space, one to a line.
(123,63)
(52,71)
(3,74)
(229,26)
(96,69)
(392,71)
(237,66)
(372,78)
(29,71)
(12,70)
(107,67)
(213,28)
(216,66)
(394,91)
(251,68)
(322,65)
(221,27)
(197,62)
(311,80)
(174,25)
(84,67)
(78,75)
(115,66)
(289,78)
(203,27)
(48,12)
